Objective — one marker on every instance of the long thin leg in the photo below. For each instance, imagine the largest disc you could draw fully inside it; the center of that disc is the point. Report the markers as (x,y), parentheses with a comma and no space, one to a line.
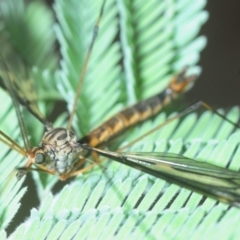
(22,171)
(96,157)
(83,73)
(86,169)
(36,170)
(11,143)
(77,171)
(186,111)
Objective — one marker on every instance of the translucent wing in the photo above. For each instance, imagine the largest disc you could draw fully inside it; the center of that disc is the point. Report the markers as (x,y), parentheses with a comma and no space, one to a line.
(212,181)
(18,74)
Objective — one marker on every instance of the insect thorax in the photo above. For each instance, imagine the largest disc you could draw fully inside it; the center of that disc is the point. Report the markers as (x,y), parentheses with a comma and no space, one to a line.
(61,149)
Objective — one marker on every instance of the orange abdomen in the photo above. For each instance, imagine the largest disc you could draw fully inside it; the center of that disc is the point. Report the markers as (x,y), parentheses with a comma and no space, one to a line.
(137,113)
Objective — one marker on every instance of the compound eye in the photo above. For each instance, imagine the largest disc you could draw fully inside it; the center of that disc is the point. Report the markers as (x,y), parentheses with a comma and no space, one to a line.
(40,158)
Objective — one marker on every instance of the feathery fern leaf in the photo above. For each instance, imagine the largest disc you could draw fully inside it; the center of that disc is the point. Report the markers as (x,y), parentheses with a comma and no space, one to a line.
(76,22)
(101,206)
(140,45)
(10,190)
(150,50)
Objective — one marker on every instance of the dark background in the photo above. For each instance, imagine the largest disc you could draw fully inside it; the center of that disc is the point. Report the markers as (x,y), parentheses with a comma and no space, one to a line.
(219,83)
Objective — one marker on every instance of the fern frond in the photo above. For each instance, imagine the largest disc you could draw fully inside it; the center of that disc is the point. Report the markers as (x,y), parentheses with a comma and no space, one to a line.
(101,206)
(140,45)
(10,190)
(118,224)
(158,40)
(150,51)
(76,22)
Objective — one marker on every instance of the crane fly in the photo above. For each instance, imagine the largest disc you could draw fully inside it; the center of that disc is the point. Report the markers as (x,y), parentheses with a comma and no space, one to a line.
(62,153)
